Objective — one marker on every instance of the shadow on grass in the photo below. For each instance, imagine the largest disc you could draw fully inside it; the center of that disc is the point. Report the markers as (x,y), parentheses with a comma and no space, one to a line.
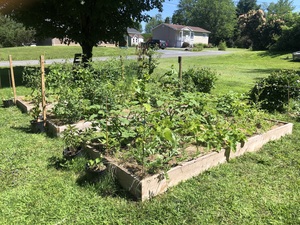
(261,71)
(104,184)
(288,58)
(231,83)
(58,163)
(26,130)
(273,54)
(5,80)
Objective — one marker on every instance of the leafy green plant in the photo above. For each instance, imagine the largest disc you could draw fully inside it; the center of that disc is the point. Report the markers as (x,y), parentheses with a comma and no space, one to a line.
(231,103)
(147,61)
(32,79)
(198,47)
(222,46)
(35,112)
(202,80)
(74,137)
(96,165)
(274,92)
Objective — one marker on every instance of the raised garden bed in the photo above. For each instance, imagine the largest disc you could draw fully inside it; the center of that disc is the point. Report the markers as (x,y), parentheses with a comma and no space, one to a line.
(23,105)
(56,130)
(150,186)
(52,128)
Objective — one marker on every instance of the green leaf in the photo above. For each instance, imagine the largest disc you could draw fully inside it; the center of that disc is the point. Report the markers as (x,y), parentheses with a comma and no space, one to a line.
(147,107)
(167,134)
(159,103)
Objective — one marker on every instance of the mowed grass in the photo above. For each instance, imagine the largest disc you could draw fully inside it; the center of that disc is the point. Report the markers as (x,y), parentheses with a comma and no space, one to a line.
(238,70)
(257,188)
(58,52)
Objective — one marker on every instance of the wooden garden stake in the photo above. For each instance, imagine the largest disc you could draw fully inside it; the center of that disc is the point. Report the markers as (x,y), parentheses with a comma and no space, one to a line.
(12,79)
(122,66)
(180,70)
(43,88)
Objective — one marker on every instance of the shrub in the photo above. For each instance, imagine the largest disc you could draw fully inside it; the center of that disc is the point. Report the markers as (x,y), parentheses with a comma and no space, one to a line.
(209,45)
(202,80)
(222,46)
(275,91)
(198,47)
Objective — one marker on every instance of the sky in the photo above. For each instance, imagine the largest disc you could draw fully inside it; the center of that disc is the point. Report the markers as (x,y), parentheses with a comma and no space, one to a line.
(169,6)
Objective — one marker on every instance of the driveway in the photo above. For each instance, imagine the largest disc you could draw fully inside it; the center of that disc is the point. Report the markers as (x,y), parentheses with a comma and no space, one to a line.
(175,53)
(165,54)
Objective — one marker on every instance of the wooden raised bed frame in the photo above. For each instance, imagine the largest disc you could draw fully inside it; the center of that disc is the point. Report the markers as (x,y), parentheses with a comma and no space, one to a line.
(51,128)
(149,187)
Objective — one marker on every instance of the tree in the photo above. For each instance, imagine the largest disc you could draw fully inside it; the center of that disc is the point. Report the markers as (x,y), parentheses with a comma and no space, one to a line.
(216,16)
(168,20)
(83,21)
(245,6)
(289,40)
(281,8)
(250,25)
(153,22)
(184,13)
(14,34)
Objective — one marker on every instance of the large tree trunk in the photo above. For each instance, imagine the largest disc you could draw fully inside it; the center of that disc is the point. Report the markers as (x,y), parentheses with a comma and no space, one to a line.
(87,52)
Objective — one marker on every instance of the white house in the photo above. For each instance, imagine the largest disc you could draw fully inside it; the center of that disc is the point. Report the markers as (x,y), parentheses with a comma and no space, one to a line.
(176,35)
(134,37)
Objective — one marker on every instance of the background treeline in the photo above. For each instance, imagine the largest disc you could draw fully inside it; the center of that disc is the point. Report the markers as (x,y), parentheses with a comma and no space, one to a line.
(273,26)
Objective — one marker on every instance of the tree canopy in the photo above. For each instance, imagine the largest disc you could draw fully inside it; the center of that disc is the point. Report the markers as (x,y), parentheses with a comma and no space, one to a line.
(245,6)
(281,8)
(153,22)
(14,34)
(83,21)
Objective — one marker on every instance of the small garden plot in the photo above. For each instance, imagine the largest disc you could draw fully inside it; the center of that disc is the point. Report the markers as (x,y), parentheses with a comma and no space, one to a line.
(151,124)
(150,185)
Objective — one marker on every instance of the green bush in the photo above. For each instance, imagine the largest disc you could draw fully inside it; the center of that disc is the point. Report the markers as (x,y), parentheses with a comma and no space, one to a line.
(222,46)
(202,80)
(198,47)
(274,92)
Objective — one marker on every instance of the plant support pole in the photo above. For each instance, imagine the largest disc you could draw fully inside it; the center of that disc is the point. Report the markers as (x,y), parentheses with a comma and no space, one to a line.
(12,79)
(43,88)
(180,71)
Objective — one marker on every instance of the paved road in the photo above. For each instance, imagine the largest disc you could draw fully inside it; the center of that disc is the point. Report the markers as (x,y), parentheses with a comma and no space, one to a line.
(164,54)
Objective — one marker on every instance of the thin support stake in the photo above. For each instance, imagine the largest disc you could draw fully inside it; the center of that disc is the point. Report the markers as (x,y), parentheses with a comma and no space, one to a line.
(42,61)
(180,71)
(12,79)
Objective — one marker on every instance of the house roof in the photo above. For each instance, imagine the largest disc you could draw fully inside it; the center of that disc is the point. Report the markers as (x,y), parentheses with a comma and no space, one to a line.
(181,27)
(135,35)
(132,31)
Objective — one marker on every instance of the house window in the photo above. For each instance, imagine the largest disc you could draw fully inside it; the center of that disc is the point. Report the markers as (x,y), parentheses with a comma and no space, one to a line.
(192,35)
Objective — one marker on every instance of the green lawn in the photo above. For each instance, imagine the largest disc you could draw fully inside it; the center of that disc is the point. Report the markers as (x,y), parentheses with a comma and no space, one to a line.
(257,188)
(58,52)
(238,70)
